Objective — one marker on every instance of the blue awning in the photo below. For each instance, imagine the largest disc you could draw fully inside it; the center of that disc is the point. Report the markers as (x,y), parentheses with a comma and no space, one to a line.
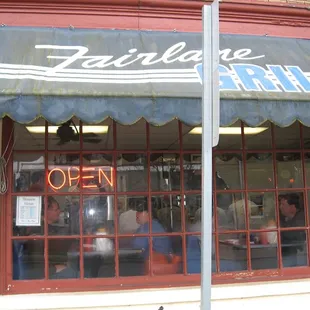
(127,75)
(157,111)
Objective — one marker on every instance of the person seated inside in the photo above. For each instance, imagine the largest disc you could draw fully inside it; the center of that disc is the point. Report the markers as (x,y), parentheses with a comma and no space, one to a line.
(37,182)
(127,219)
(193,246)
(236,213)
(52,217)
(127,223)
(291,215)
(26,256)
(164,260)
(160,244)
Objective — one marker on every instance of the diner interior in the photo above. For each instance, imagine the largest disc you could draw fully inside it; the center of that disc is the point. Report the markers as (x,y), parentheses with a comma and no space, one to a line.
(111,192)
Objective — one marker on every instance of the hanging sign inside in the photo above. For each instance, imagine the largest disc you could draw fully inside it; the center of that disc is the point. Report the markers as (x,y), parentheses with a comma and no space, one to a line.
(59,177)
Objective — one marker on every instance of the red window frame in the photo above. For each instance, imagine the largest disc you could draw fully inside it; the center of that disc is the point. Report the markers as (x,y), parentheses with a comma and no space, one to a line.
(9,286)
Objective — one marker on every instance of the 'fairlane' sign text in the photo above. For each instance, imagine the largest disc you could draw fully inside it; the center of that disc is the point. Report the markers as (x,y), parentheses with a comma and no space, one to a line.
(76,64)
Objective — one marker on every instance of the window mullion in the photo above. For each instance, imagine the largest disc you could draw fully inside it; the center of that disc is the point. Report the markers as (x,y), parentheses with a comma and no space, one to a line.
(214,206)
(306,210)
(81,211)
(46,256)
(183,224)
(276,194)
(6,262)
(114,164)
(246,206)
(149,196)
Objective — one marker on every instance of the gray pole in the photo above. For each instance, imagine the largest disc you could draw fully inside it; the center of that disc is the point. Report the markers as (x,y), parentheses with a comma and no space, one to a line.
(209,106)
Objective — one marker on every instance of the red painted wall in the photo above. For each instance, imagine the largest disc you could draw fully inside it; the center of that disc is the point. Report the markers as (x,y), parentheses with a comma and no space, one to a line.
(236,16)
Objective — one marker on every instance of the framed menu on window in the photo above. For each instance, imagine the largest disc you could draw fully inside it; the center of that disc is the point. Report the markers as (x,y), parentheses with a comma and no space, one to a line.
(28,211)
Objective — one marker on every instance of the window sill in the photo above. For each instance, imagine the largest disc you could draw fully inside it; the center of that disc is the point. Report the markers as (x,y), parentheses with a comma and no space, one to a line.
(151,298)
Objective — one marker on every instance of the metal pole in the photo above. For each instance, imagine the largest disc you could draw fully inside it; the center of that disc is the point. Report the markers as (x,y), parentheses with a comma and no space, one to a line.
(210,93)
(215,72)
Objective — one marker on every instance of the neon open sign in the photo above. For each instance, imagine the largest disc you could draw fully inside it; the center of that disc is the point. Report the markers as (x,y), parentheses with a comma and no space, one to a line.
(72,176)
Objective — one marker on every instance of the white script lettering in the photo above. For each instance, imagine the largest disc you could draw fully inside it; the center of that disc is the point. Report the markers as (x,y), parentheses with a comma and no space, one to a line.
(175,53)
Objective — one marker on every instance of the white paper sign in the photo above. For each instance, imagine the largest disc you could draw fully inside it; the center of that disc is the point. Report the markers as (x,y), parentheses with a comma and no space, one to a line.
(28,211)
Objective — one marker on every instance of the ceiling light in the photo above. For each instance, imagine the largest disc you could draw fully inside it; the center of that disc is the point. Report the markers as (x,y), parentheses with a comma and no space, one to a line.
(53,129)
(91,212)
(232,130)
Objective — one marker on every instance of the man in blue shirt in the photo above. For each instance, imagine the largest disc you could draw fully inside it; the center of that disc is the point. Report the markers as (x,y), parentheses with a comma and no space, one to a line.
(161,244)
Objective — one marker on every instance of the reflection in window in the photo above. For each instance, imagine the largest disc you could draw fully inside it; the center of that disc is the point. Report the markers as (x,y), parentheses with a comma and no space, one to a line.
(66,136)
(262,210)
(97,173)
(308,207)
(293,242)
(192,206)
(294,248)
(165,137)
(306,137)
(98,137)
(260,140)
(98,214)
(165,172)
(127,211)
(131,137)
(190,141)
(168,211)
(233,252)
(193,254)
(230,137)
(194,213)
(166,256)
(132,173)
(230,168)
(307,168)
(31,136)
(192,171)
(70,216)
(236,211)
(289,170)
(63,172)
(28,259)
(287,137)
(259,171)
(143,182)
(29,173)
(99,263)
(63,259)
(264,250)
(131,261)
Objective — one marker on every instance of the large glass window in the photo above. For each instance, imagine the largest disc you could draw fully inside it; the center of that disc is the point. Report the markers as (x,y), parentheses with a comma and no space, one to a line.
(123,203)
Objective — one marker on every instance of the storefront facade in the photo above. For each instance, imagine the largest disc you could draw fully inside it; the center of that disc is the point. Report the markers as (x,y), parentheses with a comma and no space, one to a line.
(101,134)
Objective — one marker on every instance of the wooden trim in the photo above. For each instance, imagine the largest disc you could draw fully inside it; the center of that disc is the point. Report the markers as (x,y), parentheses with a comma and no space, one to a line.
(6,135)
(2,230)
